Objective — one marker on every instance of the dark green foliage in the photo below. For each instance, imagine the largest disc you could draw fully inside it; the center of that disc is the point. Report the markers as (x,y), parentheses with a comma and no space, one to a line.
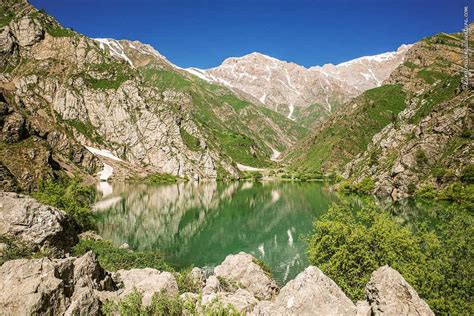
(366,186)
(112,258)
(70,196)
(189,140)
(14,250)
(348,245)
(186,282)
(5,16)
(467,175)
(420,157)
(86,129)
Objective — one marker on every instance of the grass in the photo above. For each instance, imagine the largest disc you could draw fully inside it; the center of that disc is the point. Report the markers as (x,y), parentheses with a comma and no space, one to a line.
(331,147)
(189,140)
(86,129)
(70,196)
(6,16)
(115,73)
(164,79)
(431,76)
(266,269)
(14,250)
(112,258)
(236,103)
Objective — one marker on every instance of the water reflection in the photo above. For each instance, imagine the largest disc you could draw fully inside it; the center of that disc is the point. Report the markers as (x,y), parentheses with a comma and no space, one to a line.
(200,224)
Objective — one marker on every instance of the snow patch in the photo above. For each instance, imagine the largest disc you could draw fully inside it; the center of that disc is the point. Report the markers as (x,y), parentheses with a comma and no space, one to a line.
(199,73)
(103,152)
(106,173)
(291,107)
(248,168)
(275,155)
(115,48)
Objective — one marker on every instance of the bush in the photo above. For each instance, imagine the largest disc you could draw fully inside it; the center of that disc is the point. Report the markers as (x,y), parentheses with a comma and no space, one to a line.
(467,175)
(70,196)
(112,258)
(366,186)
(349,245)
(14,250)
(186,282)
(161,304)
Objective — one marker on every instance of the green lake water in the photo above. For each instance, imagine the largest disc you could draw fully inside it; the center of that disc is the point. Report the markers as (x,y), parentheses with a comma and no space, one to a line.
(195,224)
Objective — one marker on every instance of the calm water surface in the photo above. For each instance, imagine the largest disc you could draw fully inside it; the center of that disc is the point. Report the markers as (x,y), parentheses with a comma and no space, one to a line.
(200,224)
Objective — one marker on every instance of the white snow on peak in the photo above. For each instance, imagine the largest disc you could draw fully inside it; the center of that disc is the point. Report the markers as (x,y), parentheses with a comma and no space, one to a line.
(103,152)
(116,49)
(199,73)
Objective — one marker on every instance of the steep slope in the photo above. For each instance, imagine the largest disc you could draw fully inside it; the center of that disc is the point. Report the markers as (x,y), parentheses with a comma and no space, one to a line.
(403,133)
(300,93)
(234,121)
(58,82)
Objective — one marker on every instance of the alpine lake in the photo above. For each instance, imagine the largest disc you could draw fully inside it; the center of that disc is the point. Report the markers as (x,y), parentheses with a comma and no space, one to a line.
(199,224)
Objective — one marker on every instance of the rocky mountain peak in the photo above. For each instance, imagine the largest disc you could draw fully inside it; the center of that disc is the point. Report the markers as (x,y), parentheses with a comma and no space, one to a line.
(285,86)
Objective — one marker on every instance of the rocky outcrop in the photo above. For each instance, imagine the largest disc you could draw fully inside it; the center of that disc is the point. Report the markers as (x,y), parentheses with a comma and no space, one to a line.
(34,224)
(79,286)
(310,293)
(389,294)
(148,281)
(52,286)
(242,269)
(292,89)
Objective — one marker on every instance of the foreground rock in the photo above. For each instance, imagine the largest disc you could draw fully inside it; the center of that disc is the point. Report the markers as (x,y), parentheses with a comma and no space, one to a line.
(389,294)
(148,281)
(242,269)
(37,225)
(310,293)
(52,286)
(79,286)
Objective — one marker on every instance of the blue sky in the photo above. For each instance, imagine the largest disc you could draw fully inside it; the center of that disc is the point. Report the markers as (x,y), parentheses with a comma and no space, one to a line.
(202,33)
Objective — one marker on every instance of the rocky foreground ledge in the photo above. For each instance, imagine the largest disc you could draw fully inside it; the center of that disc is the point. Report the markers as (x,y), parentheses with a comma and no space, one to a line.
(80,286)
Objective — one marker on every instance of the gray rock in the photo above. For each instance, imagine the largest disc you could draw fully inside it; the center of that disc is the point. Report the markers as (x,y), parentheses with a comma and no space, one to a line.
(27,31)
(389,294)
(148,281)
(363,308)
(242,269)
(212,285)
(199,276)
(310,293)
(7,180)
(36,224)
(51,286)
(242,300)
(14,128)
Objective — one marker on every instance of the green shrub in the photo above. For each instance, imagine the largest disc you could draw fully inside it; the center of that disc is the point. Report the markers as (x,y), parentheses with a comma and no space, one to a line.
(158,178)
(112,258)
(348,245)
(264,266)
(420,157)
(426,192)
(190,141)
(70,196)
(366,186)
(14,250)
(161,304)
(467,175)
(186,282)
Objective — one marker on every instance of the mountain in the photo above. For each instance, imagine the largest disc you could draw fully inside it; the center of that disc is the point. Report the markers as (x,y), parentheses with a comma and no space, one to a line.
(72,103)
(412,132)
(299,92)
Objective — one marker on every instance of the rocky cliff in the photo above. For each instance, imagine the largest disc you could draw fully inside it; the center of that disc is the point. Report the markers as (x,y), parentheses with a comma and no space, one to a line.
(62,91)
(302,94)
(413,130)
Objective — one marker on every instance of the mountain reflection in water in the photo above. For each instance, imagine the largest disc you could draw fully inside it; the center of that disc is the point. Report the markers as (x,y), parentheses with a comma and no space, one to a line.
(199,224)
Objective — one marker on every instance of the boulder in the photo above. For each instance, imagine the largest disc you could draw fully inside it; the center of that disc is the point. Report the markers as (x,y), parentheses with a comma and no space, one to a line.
(27,31)
(389,294)
(310,293)
(212,285)
(147,281)
(242,269)
(242,300)
(52,286)
(36,224)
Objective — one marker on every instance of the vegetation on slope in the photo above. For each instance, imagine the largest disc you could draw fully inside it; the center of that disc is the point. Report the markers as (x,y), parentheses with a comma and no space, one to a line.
(350,130)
